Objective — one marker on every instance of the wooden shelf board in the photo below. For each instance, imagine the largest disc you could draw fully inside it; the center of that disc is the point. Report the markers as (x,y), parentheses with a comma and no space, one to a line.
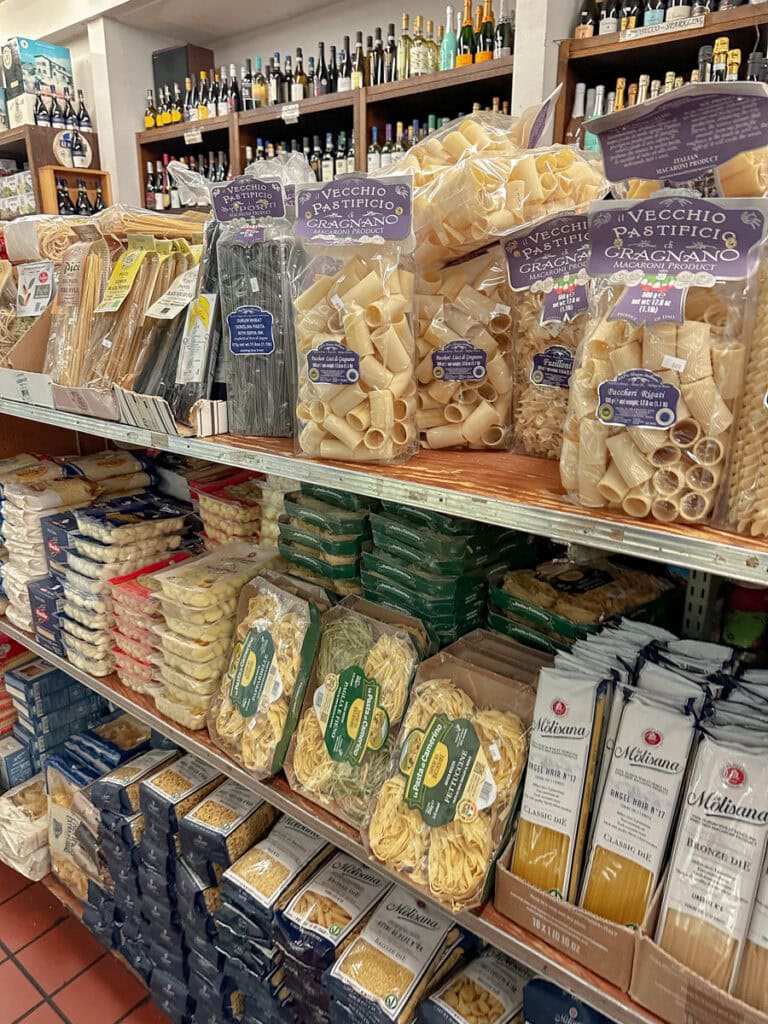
(456,78)
(177,131)
(311,105)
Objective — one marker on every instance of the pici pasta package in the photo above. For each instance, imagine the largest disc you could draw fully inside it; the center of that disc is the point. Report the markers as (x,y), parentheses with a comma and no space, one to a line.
(487,990)
(660,371)
(340,751)
(355,320)
(442,814)
(261,694)
(464,354)
(550,310)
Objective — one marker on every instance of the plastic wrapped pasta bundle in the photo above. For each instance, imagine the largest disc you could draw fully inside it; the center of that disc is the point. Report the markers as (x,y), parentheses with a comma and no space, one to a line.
(354,322)
(704,923)
(463,355)
(443,830)
(119,221)
(487,990)
(24,829)
(329,760)
(255,712)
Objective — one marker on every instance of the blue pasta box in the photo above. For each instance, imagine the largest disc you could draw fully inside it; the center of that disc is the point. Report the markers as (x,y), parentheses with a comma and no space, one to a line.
(57,529)
(38,679)
(45,597)
(546,1003)
(15,763)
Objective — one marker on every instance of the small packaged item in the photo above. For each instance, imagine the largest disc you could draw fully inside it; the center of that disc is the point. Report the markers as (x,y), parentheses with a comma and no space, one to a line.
(123,527)
(87,662)
(95,551)
(23,821)
(173,791)
(309,512)
(118,791)
(209,616)
(139,591)
(197,675)
(487,990)
(142,649)
(206,582)
(195,651)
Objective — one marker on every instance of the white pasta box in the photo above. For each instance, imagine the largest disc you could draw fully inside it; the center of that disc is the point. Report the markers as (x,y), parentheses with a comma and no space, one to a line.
(603,947)
(674,992)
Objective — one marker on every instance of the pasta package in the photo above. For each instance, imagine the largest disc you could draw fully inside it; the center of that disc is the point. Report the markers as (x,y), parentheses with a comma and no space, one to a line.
(565,744)
(463,355)
(550,309)
(355,321)
(717,859)
(487,990)
(340,750)
(261,694)
(660,371)
(443,813)
(750,984)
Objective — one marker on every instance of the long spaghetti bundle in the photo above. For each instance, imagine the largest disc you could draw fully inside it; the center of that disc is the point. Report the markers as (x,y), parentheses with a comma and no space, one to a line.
(751,984)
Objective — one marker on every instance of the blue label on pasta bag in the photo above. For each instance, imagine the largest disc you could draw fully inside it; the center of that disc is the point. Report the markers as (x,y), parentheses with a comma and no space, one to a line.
(459,360)
(355,209)
(331,363)
(637,398)
(351,716)
(246,197)
(554,250)
(553,367)
(250,332)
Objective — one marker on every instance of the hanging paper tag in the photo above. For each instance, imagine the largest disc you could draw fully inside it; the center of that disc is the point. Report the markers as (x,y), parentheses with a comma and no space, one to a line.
(290,113)
(177,298)
(196,338)
(35,289)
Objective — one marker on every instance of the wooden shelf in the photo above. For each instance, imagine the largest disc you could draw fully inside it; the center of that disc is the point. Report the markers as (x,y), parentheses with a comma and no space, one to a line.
(307,107)
(456,78)
(35,145)
(177,131)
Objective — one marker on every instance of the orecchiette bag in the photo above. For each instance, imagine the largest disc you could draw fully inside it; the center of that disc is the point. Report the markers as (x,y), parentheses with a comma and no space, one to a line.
(550,309)
(443,812)
(354,320)
(255,712)
(660,371)
(463,355)
(487,990)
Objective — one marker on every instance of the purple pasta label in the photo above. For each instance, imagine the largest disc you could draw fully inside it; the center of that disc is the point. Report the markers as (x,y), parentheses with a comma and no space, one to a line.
(250,332)
(248,236)
(656,299)
(556,248)
(331,363)
(565,302)
(355,208)
(290,196)
(637,398)
(246,197)
(459,360)
(553,367)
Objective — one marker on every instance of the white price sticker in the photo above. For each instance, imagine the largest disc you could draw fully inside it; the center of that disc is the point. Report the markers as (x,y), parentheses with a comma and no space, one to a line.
(193,137)
(290,113)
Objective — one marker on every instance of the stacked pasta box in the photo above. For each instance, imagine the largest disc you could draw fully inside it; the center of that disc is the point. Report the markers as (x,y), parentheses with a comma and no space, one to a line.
(488,988)
(245,506)
(323,534)
(12,655)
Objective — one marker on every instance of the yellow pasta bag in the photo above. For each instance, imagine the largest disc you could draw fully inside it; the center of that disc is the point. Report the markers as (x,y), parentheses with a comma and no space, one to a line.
(443,813)
(659,375)
(487,990)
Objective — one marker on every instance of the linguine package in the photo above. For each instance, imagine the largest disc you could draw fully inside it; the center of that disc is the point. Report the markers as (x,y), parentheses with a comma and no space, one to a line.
(340,750)
(659,375)
(550,310)
(354,320)
(444,810)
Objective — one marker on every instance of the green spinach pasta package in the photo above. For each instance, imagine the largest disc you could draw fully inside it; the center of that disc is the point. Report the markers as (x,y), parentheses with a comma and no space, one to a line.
(442,814)
(487,990)
(354,320)
(340,750)
(655,396)
(255,712)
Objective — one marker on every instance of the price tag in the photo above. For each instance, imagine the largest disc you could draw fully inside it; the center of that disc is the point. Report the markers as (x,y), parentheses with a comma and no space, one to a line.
(193,137)
(290,113)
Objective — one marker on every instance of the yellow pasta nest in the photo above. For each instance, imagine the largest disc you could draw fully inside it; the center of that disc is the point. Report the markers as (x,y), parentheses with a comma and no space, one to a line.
(475,1004)
(312,765)
(396,832)
(502,734)
(262,734)
(390,662)
(437,697)
(459,857)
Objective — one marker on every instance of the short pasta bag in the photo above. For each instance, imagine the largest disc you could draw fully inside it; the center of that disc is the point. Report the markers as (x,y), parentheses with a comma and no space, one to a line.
(550,310)
(487,990)
(444,812)
(354,320)
(339,753)
(655,395)
(255,712)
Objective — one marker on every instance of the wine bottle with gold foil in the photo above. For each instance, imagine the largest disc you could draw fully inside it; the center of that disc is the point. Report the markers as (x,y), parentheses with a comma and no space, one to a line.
(465,44)
(485,41)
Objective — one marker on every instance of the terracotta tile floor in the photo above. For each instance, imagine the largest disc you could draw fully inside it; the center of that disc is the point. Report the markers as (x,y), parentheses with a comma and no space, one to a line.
(53,971)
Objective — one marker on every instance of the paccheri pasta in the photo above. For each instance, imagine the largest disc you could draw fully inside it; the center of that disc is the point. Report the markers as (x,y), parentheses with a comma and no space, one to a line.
(340,751)
(660,371)
(441,816)
(463,355)
(354,321)
(550,307)
(487,990)
(262,691)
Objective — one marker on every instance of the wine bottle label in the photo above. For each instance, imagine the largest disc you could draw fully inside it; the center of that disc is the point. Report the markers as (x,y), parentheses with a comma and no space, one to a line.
(463,60)
(608,25)
(655,17)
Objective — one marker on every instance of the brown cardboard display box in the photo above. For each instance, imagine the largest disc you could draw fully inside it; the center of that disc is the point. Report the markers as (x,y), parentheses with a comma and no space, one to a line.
(23,379)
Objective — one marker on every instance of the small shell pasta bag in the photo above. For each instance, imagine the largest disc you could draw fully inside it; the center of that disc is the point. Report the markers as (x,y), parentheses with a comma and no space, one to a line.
(487,990)
(550,310)
(340,751)
(255,712)
(354,320)
(443,814)
(660,371)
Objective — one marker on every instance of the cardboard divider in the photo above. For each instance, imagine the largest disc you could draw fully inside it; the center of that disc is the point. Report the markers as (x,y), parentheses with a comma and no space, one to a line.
(23,379)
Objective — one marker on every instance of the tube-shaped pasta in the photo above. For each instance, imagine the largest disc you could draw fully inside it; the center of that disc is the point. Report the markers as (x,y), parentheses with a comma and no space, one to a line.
(612,486)
(342,430)
(693,350)
(357,332)
(637,503)
(630,461)
(593,461)
(627,357)
(367,291)
(449,435)
(728,360)
(707,406)
(479,420)
(659,344)
(382,410)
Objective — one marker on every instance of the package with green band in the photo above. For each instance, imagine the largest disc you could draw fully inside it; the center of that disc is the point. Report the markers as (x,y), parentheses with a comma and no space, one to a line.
(301,508)
(340,751)
(261,694)
(341,499)
(325,545)
(296,554)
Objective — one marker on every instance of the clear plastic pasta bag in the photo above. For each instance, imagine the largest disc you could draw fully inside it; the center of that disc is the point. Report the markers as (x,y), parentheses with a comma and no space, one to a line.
(292,169)
(257,256)
(660,370)
(463,354)
(550,307)
(442,828)
(364,668)
(354,320)
(256,709)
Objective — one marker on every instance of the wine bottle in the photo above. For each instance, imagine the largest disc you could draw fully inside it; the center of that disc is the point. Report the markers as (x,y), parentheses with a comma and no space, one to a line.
(246,84)
(720,59)
(275,83)
(419,53)
(149,188)
(619,102)
(390,54)
(705,63)
(99,203)
(478,25)
(317,156)
(377,73)
(433,50)
(64,202)
(677,10)
(222,98)
(610,15)
(345,68)
(754,66)
(734,64)
(333,71)
(42,114)
(150,111)
(259,92)
(504,35)
(654,12)
(83,206)
(321,72)
(202,97)
(299,90)
(286,87)
(591,142)
(79,150)
(310,76)
(327,163)
(586,23)
(448,45)
(485,41)
(642,88)
(369,61)
(70,117)
(177,106)
(214,88)
(358,63)
(235,96)
(404,50)
(374,151)
(630,15)
(573,131)
(399,142)
(351,154)
(341,153)
(465,44)
(386,149)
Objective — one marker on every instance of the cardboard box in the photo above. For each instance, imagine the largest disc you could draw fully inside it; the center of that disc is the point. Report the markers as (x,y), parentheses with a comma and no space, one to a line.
(27,61)
(15,763)
(23,379)
(57,530)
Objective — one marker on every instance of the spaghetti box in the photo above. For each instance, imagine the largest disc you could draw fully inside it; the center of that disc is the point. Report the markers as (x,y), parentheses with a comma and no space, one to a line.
(45,597)
(15,763)
(57,530)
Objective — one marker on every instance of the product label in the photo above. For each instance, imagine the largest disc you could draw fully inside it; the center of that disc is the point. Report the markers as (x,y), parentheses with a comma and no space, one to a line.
(246,197)
(576,579)
(355,209)
(567,300)
(35,289)
(71,274)
(138,767)
(254,677)
(459,360)
(250,332)
(637,398)
(121,280)
(493,973)
(289,843)
(339,896)
(551,258)
(351,716)
(332,363)
(447,774)
(226,808)
(248,236)
(177,298)
(196,338)
(553,367)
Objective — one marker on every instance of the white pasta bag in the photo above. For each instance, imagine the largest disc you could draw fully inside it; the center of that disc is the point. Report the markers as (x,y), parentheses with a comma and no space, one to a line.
(550,310)
(659,374)
(23,822)
(354,320)
(717,860)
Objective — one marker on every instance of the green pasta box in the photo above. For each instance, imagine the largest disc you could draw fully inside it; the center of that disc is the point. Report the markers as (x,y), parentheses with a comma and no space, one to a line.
(319,564)
(338,547)
(502,623)
(321,515)
(340,499)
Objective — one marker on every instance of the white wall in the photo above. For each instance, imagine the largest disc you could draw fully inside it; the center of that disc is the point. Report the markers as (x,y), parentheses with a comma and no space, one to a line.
(82,68)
